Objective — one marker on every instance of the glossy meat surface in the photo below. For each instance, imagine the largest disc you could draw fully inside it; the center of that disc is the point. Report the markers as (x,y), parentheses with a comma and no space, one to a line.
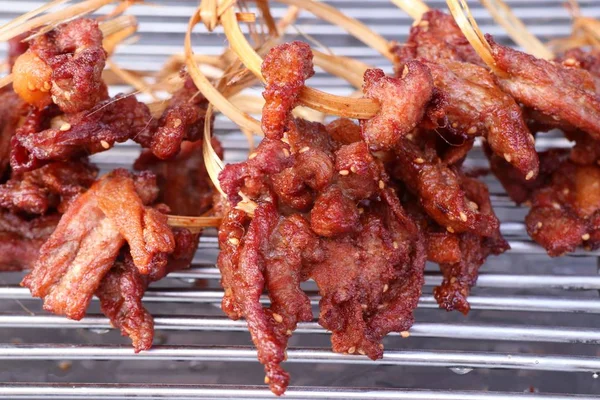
(67,63)
(89,236)
(52,186)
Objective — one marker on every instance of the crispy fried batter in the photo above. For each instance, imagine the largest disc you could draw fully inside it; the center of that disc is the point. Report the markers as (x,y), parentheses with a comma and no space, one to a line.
(88,238)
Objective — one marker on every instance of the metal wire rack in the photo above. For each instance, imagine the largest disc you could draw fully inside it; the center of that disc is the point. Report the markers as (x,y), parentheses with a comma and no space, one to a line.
(534,327)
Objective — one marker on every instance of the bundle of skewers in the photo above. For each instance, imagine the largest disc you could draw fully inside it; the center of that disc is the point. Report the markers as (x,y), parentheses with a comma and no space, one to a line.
(357,204)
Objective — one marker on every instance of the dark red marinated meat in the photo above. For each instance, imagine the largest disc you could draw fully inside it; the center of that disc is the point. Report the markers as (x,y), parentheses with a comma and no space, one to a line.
(565,211)
(21,239)
(183,119)
(89,236)
(403,104)
(567,95)
(63,66)
(51,187)
(47,136)
(476,105)
(285,69)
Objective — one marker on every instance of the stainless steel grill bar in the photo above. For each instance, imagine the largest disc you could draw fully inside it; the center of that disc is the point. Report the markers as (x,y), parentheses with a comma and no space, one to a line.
(565,282)
(196,392)
(485,280)
(517,247)
(525,333)
(415,358)
(495,303)
(163,36)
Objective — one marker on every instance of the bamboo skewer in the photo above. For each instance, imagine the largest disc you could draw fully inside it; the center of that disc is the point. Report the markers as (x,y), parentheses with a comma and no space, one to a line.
(350,25)
(462,15)
(194,224)
(76,10)
(315,99)
(31,14)
(213,95)
(414,8)
(517,29)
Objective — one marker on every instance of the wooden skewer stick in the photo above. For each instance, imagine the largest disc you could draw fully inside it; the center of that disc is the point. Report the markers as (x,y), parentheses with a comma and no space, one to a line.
(214,96)
(463,17)
(79,9)
(23,18)
(315,99)
(194,224)
(414,8)
(517,29)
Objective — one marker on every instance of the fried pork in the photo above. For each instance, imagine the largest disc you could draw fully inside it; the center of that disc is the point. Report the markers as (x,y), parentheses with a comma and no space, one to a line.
(476,105)
(324,210)
(89,236)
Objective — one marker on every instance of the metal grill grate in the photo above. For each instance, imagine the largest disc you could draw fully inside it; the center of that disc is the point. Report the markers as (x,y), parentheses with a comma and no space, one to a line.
(534,324)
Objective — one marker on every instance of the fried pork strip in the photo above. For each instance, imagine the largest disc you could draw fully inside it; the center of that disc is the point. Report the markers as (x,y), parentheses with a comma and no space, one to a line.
(183,119)
(476,106)
(403,104)
(459,255)
(185,187)
(46,136)
(285,68)
(89,236)
(324,211)
(53,186)
(123,287)
(517,188)
(567,95)
(21,239)
(565,212)
(63,66)
(440,191)
(356,254)
(474,248)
